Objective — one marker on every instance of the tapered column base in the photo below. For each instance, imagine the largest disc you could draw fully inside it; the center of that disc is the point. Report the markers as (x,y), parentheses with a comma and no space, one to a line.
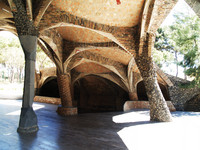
(28,121)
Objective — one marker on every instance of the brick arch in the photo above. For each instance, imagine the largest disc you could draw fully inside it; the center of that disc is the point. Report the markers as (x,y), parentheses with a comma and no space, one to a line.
(115,80)
(105,63)
(106,68)
(105,33)
(94,49)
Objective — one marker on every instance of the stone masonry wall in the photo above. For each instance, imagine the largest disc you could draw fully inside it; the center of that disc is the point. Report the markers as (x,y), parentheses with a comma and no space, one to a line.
(179,96)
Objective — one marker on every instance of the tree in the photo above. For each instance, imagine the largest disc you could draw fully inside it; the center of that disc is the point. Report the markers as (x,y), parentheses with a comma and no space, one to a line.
(12,57)
(182,38)
(186,38)
(163,48)
(185,33)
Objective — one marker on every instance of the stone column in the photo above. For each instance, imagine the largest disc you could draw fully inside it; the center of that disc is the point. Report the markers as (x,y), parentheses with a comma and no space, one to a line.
(28,118)
(64,85)
(132,80)
(159,110)
(158,106)
(133,95)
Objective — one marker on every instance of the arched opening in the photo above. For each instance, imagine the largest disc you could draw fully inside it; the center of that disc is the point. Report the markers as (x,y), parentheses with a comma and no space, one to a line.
(142,92)
(49,88)
(97,94)
(11,66)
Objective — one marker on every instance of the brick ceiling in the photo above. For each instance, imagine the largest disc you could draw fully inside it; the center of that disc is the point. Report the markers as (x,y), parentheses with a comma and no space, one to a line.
(81,35)
(126,14)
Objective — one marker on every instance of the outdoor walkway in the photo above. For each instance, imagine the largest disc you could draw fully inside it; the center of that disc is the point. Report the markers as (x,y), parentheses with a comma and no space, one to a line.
(98,131)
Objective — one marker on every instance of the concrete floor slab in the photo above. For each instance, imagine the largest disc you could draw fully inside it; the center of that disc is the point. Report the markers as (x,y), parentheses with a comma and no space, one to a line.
(98,131)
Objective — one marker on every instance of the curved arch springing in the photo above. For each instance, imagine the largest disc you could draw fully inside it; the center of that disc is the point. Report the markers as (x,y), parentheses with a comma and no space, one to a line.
(107,35)
(106,76)
(112,69)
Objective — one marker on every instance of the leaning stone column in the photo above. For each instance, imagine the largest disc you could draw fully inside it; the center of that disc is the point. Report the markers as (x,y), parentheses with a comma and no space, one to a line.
(64,84)
(159,110)
(158,107)
(28,118)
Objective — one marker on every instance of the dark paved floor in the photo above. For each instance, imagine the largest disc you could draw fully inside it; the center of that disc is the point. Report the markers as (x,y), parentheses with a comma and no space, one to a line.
(98,131)
(82,132)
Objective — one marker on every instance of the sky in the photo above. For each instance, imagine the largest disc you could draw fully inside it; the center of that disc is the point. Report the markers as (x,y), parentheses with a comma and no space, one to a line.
(181,6)
(7,34)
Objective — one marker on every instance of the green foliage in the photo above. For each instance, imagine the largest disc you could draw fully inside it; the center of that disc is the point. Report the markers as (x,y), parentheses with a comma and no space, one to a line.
(12,58)
(183,39)
(162,57)
(186,36)
(163,49)
(162,41)
(10,51)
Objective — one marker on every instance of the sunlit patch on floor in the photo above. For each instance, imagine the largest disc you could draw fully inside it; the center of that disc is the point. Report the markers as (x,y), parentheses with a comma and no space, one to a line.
(134,116)
(182,133)
(14,103)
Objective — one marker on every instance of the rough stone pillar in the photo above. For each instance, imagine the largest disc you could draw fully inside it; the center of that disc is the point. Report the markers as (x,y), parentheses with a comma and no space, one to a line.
(158,106)
(159,110)
(28,118)
(64,85)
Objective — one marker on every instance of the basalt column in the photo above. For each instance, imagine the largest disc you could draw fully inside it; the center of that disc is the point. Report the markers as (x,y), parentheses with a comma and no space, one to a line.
(28,118)
(27,34)
(65,90)
(158,107)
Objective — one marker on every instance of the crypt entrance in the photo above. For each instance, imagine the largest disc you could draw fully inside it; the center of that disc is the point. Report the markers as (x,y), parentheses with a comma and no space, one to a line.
(96,94)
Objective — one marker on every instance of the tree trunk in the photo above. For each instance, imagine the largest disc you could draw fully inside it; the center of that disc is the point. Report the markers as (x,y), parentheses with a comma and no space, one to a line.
(17,75)
(11,78)
(21,74)
(185,76)
(158,107)
(176,60)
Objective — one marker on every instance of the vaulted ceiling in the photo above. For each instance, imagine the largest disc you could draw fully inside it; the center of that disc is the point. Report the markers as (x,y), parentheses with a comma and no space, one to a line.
(72,32)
